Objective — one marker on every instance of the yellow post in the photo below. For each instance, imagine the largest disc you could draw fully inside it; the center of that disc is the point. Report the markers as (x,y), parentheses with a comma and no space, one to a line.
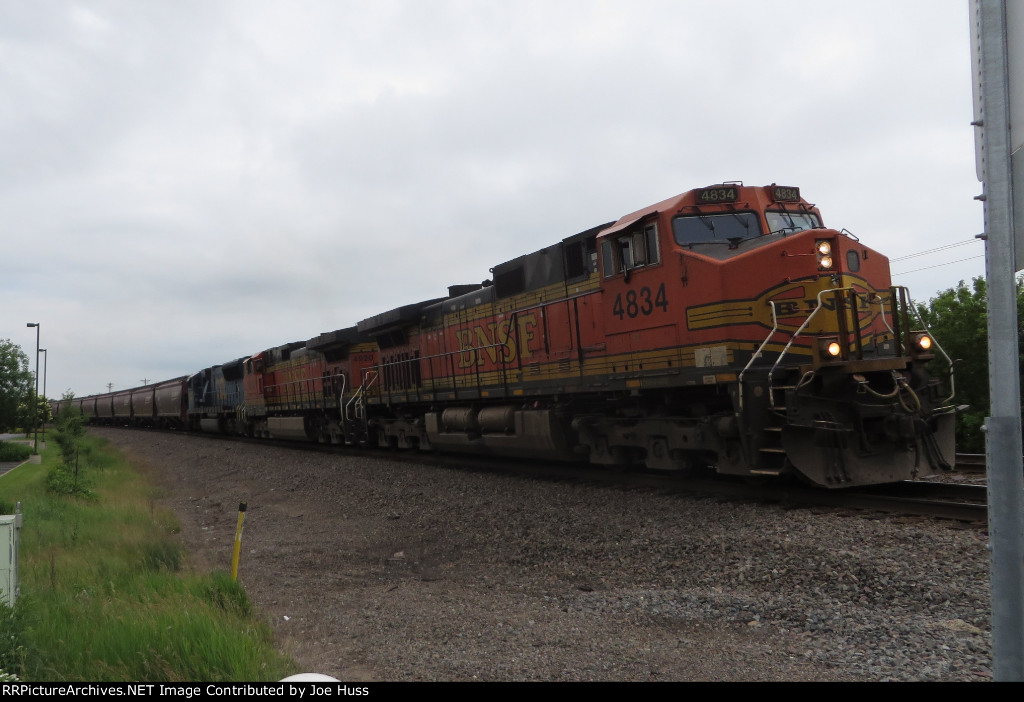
(238,541)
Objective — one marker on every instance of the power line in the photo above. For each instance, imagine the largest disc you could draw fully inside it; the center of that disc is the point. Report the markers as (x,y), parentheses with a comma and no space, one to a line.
(940,248)
(939,265)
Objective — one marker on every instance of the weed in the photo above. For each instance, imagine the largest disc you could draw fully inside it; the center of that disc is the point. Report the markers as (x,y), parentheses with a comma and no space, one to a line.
(161,555)
(12,650)
(227,594)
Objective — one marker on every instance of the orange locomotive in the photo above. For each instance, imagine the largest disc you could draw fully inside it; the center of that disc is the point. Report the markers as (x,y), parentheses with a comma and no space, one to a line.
(724,327)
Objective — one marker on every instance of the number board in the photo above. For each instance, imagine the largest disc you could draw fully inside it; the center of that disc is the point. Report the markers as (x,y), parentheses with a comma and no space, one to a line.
(783,193)
(721,194)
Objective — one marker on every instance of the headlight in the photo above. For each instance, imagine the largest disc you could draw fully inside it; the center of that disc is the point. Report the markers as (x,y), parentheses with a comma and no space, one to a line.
(829,349)
(823,250)
(924,342)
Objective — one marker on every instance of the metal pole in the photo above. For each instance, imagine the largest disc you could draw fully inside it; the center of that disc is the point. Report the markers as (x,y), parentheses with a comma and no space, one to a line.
(45,357)
(35,397)
(1003,426)
(238,541)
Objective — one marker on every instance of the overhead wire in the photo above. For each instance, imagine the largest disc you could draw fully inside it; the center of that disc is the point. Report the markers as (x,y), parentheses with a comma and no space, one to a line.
(936,250)
(939,248)
(940,265)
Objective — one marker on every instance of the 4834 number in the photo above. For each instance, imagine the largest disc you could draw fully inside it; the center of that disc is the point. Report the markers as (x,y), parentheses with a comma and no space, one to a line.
(635,303)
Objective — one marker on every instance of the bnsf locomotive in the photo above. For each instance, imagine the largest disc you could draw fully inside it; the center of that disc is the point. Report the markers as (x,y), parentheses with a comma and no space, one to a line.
(725,327)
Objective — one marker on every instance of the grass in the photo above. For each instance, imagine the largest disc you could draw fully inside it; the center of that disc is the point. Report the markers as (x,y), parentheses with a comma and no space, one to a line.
(107,594)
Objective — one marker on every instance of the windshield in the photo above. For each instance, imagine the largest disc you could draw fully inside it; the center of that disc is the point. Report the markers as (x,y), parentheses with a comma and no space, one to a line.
(715,228)
(779,221)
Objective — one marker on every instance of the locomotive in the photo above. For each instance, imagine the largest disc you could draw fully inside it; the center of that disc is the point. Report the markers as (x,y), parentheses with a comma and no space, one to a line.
(724,328)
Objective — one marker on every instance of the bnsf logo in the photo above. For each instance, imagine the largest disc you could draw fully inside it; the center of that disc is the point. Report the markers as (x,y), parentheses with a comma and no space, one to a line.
(496,341)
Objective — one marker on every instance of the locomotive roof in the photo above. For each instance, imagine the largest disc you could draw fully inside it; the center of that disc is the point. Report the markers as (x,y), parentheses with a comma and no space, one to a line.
(400,316)
(677,202)
(338,337)
(634,217)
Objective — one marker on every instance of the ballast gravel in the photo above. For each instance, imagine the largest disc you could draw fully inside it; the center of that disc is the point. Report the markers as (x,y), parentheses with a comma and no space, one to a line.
(371,569)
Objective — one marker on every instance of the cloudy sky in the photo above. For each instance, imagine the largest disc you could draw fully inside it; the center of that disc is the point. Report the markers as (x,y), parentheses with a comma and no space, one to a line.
(183,183)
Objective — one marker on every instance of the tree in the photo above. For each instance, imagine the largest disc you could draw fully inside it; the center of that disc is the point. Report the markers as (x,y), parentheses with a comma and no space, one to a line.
(70,428)
(958,318)
(16,384)
(66,478)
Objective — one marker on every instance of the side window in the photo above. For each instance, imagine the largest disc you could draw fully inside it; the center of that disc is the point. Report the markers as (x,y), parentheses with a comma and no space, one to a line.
(608,259)
(638,246)
(634,249)
(625,246)
(651,242)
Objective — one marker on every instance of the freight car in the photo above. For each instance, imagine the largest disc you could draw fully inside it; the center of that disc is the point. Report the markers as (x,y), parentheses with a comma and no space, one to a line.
(725,328)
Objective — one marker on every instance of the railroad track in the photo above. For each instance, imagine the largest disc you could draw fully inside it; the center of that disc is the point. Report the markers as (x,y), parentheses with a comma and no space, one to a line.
(953,501)
(970,462)
(966,503)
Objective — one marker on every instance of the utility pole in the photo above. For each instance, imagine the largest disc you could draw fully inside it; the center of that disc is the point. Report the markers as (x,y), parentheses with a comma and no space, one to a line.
(998,66)
(35,397)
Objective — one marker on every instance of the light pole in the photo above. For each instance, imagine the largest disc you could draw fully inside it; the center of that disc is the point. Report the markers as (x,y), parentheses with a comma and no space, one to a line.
(35,398)
(45,357)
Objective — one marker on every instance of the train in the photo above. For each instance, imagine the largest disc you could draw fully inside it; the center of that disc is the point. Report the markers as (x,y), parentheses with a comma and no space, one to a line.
(724,329)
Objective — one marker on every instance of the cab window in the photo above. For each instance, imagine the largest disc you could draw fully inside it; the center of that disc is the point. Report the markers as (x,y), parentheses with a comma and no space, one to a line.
(782,221)
(715,228)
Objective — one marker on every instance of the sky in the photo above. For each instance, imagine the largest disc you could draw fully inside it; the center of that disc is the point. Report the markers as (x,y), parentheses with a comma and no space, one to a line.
(187,182)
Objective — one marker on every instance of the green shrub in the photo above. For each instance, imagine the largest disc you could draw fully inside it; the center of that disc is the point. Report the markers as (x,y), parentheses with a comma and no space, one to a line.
(12,650)
(62,480)
(14,452)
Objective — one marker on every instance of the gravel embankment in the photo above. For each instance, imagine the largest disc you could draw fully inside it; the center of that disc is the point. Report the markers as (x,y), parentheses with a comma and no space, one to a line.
(371,569)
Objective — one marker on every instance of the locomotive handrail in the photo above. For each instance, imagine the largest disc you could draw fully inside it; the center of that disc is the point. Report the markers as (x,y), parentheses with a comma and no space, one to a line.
(341,397)
(800,330)
(885,321)
(372,375)
(757,354)
(308,393)
(896,335)
(785,350)
(553,301)
(910,303)
(949,361)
